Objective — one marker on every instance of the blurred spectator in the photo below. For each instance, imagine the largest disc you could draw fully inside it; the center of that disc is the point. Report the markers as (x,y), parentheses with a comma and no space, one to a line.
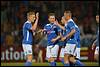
(40,59)
(9,40)
(4,16)
(87,27)
(87,31)
(43,41)
(37,53)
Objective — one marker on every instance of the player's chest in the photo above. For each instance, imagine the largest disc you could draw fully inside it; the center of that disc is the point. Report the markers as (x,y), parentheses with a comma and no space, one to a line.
(51,29)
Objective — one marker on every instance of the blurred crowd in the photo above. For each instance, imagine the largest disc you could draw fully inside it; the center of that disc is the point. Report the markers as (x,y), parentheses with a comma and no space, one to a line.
(13,16)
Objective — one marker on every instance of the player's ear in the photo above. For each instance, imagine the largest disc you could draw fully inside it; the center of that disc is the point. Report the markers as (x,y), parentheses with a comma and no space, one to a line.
(48,18)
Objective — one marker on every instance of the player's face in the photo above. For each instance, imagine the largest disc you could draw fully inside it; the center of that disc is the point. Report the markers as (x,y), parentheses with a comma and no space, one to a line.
(32,18)
(97,18)
(67,17)
(51,19)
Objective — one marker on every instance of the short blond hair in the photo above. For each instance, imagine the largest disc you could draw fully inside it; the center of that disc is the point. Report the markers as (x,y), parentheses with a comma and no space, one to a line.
(30,13)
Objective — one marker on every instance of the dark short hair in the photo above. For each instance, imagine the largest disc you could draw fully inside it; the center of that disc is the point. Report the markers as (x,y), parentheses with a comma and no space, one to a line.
(51,14)
(68,12)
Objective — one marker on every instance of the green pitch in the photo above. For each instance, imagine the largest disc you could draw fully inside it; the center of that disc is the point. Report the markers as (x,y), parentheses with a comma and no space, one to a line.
(46,64)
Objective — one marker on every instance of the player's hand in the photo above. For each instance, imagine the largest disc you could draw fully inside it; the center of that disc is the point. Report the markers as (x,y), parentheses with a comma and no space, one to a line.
(41,30)
(53,40)
(37,15)
(93,46)
(63,38)
(56,22)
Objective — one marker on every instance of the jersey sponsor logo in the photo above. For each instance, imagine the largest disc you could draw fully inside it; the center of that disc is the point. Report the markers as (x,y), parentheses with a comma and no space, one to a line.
(50,32)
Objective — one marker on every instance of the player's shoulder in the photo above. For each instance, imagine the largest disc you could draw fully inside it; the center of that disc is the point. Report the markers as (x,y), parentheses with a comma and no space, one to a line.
(27,22)
(70,21)
(47,25)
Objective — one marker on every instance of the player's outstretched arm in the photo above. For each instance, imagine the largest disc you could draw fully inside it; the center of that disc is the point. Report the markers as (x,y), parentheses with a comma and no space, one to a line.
(62,27)
(40,31)
(55,39)
(68,35)
(36,22)
(71,33)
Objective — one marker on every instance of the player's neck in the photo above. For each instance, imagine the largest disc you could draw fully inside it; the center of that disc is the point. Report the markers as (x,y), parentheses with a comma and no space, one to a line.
(28,20)
(51,23)
(66,21)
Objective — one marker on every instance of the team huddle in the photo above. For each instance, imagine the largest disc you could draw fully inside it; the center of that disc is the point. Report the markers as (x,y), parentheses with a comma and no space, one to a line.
(64,34)
(67,36)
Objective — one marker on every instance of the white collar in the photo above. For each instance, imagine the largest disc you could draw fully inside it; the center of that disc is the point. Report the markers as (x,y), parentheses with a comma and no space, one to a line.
(28,21)
(69,20)
(66,24)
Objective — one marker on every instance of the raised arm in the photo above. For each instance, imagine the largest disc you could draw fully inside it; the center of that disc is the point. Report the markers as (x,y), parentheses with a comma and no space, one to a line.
(36,22)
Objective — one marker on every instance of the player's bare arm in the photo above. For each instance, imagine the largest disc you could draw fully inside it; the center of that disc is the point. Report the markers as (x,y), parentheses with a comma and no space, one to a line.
(55,39)
(94,44)
(36,22)
(40,31)
(69,35)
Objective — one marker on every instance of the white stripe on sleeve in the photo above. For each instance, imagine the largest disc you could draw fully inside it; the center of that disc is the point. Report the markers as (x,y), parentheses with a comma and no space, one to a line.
(27,35)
